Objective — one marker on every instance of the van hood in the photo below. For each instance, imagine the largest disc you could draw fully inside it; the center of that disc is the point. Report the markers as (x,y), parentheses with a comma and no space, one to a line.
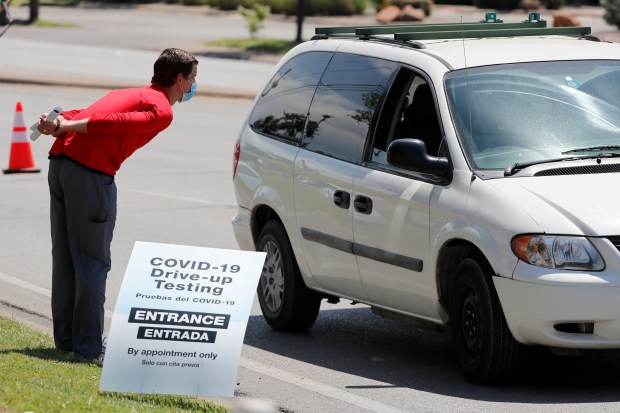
(567,204)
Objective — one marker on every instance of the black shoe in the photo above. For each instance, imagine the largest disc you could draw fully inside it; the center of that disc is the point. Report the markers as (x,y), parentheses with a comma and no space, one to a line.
(104,345)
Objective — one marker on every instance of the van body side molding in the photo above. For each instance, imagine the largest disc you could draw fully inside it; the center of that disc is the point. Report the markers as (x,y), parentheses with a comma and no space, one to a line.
(391,258)
(329,240)
(376,254)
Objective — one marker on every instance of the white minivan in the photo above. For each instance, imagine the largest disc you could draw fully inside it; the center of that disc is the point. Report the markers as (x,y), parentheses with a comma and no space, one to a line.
(465,176)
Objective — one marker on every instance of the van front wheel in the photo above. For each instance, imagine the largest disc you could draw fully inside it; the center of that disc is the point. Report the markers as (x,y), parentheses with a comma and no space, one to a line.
(287,304)
(486,350)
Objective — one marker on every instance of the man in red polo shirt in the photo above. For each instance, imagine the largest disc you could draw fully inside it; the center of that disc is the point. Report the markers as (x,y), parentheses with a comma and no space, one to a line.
(90,146)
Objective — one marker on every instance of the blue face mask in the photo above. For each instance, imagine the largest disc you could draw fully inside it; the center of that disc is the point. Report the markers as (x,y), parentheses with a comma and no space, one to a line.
(188,95)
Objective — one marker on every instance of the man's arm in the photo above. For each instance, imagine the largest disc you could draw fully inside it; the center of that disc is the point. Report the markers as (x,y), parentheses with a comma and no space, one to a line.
(150,120)
(64,126)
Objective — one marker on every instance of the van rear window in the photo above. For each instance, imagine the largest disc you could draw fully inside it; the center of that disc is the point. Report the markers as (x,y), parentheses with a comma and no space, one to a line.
(282,108)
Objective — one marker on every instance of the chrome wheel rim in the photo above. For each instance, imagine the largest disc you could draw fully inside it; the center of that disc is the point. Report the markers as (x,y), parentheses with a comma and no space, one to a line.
(272,277)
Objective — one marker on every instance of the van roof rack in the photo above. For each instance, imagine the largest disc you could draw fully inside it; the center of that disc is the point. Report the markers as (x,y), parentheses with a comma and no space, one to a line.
(491,26)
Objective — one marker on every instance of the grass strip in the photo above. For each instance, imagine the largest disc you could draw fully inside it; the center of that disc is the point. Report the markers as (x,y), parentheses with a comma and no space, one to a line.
(276,46)
(46,23)
(35,377)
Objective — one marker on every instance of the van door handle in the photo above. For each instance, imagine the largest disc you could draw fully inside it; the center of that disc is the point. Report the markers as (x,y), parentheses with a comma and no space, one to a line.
(342,199)
(363,204)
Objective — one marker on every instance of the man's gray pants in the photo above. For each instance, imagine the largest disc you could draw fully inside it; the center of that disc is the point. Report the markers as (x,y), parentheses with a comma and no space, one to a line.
(82,214)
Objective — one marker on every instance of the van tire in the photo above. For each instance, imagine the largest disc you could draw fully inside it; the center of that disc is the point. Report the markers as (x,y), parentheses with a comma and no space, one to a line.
(287,304)
(486,350)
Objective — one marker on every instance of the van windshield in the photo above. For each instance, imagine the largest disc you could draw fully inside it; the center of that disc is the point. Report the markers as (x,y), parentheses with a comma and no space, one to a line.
(530,112)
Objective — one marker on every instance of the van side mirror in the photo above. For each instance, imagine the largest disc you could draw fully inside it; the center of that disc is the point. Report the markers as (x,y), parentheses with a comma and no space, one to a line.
(411,154)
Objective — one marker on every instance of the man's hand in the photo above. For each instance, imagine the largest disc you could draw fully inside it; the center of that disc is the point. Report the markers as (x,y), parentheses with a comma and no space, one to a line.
(49,128)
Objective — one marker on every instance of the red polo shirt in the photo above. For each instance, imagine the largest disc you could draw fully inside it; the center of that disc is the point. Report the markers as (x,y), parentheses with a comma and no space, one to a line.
(120,123)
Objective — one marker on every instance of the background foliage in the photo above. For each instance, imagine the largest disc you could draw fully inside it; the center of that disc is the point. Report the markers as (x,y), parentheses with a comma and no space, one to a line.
(612,12)
(313,7)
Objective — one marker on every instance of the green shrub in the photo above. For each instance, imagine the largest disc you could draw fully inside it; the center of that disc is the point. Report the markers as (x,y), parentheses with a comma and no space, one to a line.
(187,2)
(254,17)
(229,4)
(55,3)
(485,4)
(281,6)
(612,12)
(555,4)
(313,7)
(455,2)
(497,4)
(426,5)
(507,4)
(331,7)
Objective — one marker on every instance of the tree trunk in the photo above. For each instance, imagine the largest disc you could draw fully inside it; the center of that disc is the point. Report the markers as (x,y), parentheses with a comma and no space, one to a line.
(301,11)
(34,11)
(4,19)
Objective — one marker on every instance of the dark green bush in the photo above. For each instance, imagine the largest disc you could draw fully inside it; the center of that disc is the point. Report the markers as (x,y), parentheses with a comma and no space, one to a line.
(331,7)
(455,2)
(109,1)
(507,4)
(313,7)
(425,5)
(497,4)
(555,4)
(187,2)
(229,4)
(612,12)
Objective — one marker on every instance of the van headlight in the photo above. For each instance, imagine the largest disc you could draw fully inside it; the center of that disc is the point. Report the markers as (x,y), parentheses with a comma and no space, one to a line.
(553,251)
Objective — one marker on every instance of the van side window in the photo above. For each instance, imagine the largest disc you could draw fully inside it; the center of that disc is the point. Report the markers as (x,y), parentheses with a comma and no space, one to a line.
(282,108)
(344,107)
(409,112)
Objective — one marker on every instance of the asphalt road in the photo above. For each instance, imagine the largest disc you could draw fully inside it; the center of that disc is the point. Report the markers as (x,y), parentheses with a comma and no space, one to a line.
(178,190)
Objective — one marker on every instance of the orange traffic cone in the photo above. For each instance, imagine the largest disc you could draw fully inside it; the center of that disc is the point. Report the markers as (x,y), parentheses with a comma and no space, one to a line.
(20,160)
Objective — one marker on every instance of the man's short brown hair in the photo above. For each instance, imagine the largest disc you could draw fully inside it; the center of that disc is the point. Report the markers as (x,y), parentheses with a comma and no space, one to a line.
(169,64)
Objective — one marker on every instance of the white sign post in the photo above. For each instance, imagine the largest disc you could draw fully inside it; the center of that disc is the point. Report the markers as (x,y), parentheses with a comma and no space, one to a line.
(180,319)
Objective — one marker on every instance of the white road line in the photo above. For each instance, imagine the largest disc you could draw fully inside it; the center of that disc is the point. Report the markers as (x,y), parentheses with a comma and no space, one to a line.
(160,195)
(317,387)
(25,284)
(276,373)
(35,288)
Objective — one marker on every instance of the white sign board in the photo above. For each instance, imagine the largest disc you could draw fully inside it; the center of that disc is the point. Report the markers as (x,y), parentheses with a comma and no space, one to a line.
(180,319)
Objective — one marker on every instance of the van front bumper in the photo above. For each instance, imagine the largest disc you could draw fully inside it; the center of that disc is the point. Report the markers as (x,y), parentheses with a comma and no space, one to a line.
(560,313)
